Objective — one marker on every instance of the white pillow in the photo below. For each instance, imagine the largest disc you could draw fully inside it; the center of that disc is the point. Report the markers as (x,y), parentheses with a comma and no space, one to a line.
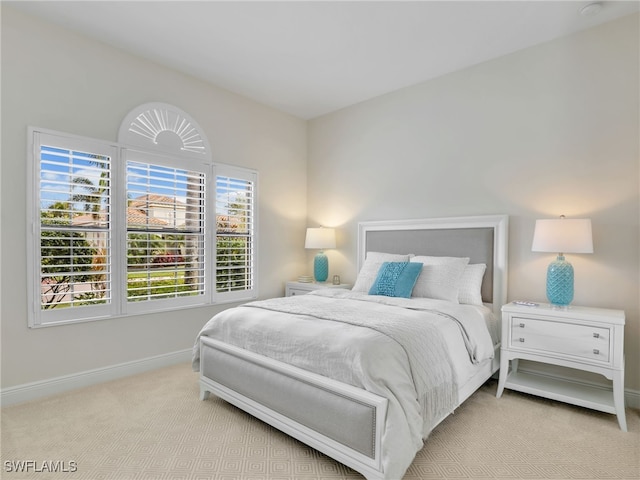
(470,287)
(369,271)
(440,277)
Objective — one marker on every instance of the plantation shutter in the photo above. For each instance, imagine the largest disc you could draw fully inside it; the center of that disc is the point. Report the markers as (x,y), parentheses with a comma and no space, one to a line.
(235,271)
(73,261)
(165,221)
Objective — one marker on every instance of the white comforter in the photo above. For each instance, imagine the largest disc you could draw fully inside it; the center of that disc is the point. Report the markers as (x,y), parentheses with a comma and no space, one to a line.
(371,352)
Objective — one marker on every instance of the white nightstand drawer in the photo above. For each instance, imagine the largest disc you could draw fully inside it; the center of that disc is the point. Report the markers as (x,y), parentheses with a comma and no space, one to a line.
(302,288)
(295,291)
(566,339)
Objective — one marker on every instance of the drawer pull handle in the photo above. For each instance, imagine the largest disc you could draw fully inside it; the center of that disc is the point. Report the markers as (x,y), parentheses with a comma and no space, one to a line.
(522,325)
(596,335)
(596,351)
(521,339)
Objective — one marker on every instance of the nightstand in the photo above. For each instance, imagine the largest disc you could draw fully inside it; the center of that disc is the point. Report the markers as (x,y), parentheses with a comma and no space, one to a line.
(589,339)
(301,288)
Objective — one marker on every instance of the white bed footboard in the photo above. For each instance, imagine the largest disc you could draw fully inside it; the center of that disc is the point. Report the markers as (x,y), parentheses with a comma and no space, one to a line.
(341,421)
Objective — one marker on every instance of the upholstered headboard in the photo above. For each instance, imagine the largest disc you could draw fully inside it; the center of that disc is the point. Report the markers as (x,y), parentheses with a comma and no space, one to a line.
(481,238)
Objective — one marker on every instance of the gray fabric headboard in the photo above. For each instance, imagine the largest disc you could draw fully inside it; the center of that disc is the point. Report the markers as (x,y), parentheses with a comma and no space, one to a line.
(475,243)
(483,239)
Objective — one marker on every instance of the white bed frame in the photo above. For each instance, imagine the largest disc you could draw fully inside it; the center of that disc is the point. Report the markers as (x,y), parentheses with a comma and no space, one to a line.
(251,381)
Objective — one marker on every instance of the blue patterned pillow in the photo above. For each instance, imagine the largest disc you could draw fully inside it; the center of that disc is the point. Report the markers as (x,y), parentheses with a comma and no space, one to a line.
(396,279)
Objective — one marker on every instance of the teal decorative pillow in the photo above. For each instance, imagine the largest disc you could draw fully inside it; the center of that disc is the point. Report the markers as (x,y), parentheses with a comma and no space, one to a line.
(371,267)
(396,279)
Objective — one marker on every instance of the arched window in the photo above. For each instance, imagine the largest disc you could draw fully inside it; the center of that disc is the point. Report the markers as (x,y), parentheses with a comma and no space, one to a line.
(164,128)
(147,224)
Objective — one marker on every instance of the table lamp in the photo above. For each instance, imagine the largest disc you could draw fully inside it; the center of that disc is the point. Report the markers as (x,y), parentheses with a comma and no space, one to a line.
(320,238)
(562,235)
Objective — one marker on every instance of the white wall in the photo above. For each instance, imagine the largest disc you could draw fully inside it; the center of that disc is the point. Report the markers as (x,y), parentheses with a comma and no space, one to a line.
(54,79)
(546,131)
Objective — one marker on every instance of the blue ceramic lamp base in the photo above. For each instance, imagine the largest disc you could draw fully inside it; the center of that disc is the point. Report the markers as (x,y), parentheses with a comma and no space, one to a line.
(560,282)
(321,267)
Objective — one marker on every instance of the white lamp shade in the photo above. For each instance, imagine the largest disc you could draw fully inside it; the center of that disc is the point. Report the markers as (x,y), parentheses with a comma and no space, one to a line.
(563,235)
(320,238)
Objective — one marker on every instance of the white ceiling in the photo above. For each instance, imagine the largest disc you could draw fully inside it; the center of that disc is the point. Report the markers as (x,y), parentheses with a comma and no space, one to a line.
(310,58)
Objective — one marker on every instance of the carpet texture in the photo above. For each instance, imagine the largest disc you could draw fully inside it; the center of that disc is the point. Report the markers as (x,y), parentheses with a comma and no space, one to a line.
(153,426)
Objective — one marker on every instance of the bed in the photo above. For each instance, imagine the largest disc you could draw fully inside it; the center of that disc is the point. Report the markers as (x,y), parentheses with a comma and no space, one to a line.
(364,375)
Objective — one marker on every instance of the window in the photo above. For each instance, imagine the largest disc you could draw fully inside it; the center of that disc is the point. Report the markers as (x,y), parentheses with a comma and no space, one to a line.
(72,227)
(166,237)
(119,230)
(235,231)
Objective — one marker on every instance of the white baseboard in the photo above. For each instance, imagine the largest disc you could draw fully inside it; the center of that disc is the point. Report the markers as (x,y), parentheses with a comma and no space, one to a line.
(53,386)
(632,398)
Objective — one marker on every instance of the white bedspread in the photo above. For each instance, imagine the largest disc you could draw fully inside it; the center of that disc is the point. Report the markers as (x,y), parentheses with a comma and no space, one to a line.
(368,342)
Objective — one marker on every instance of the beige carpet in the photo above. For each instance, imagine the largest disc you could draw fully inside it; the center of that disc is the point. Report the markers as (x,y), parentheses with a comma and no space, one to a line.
(153,426)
